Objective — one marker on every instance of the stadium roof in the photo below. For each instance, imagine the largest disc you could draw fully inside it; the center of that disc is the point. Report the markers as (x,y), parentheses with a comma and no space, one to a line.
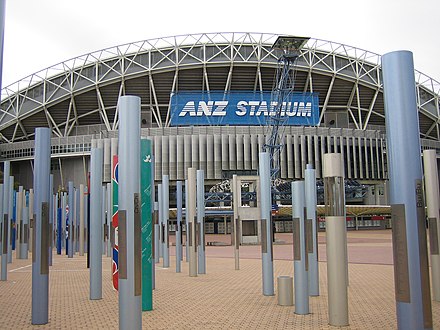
(84,90)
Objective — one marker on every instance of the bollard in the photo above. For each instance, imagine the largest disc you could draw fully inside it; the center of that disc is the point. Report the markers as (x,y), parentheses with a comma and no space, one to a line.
(285,290)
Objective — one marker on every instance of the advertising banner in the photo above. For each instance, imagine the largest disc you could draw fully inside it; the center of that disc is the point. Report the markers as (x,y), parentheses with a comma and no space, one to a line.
(242,108)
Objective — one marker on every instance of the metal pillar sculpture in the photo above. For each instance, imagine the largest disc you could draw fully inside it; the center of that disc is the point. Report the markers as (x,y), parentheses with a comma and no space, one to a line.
(312,230)
(411,274)
(40,251)
(432,206)
(201,264)
(336,234)
(300,261)
(165,219)
(179,226)
(266,224)
(129,215)
(191,219)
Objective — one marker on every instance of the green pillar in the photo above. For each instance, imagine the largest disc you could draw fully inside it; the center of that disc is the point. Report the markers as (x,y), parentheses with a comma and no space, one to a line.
(147,226)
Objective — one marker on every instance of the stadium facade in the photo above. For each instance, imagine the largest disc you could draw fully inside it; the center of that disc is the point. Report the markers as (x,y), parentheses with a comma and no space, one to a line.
(78,100)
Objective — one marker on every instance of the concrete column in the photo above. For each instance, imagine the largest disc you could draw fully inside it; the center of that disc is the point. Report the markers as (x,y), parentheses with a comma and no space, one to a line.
(312,230)
(179,226)
(300,261)
(336,237)
(96,224)
(266,224)
(71,218)
(432,205)
(130,281)
(201,222)
(411,273)
(40,251)
(165,218)
(191,220)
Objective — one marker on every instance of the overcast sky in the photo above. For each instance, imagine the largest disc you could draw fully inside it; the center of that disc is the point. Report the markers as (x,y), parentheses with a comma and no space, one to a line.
(41,33)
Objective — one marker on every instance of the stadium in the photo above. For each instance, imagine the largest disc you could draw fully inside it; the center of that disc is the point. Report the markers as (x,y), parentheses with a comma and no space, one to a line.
(78,100)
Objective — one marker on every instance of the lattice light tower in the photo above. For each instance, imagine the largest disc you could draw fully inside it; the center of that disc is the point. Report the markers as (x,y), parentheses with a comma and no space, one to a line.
(290,46)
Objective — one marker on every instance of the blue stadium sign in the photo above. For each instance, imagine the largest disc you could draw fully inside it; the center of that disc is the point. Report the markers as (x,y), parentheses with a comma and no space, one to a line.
(240,108)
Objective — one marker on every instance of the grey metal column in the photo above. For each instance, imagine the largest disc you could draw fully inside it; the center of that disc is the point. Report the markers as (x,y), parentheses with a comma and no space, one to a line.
(3,269)
(19,221)
(432,205)
(71,218)
(24,250)
(300,256)
(191,220)
(266,224)
(130,277)
(51,216)
(31,218)
(5,220)
(236,192)
(201,265)
(96,160)
(156,232)
(187,229)
(109,221)
(81,220)
(312,230)
(160,218)
(165,218)
(40,251)
(411,274)
(179,226)
(11,206)
(336,236)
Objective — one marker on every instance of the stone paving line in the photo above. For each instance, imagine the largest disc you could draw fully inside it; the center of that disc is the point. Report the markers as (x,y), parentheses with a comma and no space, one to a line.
(224,298)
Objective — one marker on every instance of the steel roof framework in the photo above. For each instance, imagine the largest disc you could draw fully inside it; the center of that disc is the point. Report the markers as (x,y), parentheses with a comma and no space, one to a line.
(85,89)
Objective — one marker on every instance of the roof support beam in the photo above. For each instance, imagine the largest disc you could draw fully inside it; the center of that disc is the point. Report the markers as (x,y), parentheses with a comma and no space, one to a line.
(370,108)
(327,98)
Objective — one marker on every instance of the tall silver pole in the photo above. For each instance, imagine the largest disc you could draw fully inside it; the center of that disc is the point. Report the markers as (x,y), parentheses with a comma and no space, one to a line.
(179,226)
(157,229)
(40,251)
(336,239)
(24,250)
(5,220)
(11,203)
(109,220)
(31,219)
(201,222)
(411,274)
(165,219)
(266,224)
(432,205)
(187,229)
(19,222)
(3,269)
(299,249)
(51,216)
(96,224)
(160,218)
(191,220)
(71,218)
(312,230)
(130,277)
(81,219)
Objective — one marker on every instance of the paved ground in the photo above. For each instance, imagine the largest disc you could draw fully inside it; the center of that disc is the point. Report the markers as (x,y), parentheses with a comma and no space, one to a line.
(222,299)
